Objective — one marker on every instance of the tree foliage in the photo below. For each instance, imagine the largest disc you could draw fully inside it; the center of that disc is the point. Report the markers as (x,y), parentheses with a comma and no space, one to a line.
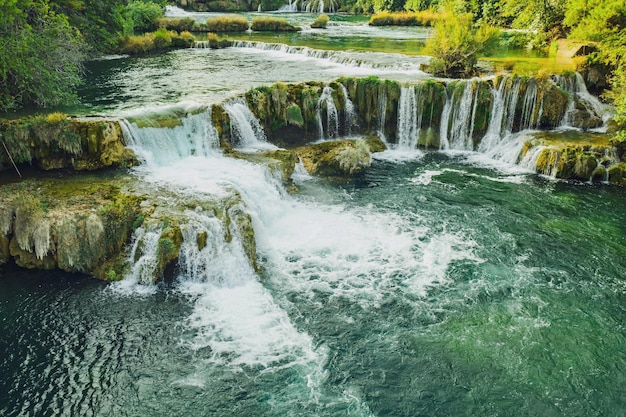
(41,53)
(456,44)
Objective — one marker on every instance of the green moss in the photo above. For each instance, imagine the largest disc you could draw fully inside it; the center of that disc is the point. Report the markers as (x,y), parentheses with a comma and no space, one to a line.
(294,116)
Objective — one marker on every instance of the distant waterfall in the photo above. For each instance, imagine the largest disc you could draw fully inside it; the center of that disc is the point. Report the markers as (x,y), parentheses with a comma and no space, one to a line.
(245,127)
(326,107)
(195,135)
(372,60)
(291,7)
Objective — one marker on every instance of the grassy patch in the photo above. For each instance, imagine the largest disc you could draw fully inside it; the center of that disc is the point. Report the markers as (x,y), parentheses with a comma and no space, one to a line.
(230,23)
(422,18)
(272,24)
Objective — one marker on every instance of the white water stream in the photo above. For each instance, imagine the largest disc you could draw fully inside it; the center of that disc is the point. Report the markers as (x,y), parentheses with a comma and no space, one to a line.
(307,247)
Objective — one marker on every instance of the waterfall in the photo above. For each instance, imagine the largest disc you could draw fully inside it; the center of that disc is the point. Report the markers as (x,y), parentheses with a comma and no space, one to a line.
(530,112)
(574,84)
(370,60)
(457,122)
(195,135)
(245,127)
(409,118)
(326,104)
(382,113)
(291,7)
(350,112)
(502,114)
(143,255)
(207,256)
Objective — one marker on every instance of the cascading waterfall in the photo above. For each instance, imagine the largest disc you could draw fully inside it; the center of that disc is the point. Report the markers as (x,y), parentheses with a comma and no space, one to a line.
(194,136)
(350,112)
(575,85)
(368,60)
(382,113)
(245,127)
(457,121)
(143,255)
(326,106)
(530,112)
(502,114)
(291,7)
(409,118)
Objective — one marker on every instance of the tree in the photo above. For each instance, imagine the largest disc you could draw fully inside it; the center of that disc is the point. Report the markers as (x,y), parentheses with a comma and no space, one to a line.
(456,44)
(41,53)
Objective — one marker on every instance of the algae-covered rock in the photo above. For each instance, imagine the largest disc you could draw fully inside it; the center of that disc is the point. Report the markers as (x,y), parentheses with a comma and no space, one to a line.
(574,155)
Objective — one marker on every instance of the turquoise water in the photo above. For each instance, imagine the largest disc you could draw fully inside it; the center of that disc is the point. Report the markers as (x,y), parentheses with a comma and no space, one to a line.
(482,290)
(436,284)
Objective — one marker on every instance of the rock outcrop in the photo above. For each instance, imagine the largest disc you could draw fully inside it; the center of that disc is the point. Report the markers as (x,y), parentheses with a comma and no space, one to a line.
(56,141)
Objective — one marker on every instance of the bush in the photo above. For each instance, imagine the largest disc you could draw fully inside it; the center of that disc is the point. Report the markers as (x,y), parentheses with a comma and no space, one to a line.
(456,44)
(162,38)
(320,22)
(137,44)
(183,40)
(142,16)
(272,24)
(232,23)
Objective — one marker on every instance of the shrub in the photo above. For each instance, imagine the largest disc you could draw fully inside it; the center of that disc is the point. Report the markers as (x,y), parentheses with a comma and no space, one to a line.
(320,22)
(162,38)
(136,45)
(182,40)
(141,16)
(272,24)
(232,23)
(214,40)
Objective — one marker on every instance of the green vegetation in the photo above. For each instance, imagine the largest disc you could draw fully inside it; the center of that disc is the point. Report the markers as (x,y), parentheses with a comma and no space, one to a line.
(177,24)
(456,44)
(141,16)
(41,56)
(232,23)
(420,18)
(158,40)
(320,22)
(272,24)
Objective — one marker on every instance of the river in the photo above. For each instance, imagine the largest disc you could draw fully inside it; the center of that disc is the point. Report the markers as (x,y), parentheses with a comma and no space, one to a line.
(437,284)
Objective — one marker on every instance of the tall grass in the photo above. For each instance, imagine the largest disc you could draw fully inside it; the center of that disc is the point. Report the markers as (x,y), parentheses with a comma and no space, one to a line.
(230,23)
(272,24)
(177,24)
(161,39)
(421,18)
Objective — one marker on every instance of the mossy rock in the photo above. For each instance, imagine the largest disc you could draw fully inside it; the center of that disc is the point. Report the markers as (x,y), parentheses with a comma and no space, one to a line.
(57,142)
(337,159)
(5,254)
(554,104)
(74,224)
(617,173)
